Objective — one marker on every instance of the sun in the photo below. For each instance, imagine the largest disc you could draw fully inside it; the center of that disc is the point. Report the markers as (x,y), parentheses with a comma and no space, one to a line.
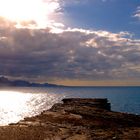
(28,10)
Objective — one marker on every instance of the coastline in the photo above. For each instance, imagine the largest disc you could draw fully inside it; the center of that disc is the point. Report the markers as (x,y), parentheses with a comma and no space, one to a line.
(75,119)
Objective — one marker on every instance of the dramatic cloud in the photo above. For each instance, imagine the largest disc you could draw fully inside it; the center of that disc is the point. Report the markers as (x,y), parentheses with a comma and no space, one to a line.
(69,54)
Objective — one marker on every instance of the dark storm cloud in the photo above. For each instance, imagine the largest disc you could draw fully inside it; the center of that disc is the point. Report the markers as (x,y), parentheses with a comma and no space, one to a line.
(73,53)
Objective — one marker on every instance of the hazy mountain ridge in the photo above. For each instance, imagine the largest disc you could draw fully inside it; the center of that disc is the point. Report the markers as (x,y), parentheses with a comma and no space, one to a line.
(22,83)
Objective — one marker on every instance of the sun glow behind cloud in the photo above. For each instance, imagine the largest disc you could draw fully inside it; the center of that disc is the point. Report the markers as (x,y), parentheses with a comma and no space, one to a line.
(47,39)
(28,10)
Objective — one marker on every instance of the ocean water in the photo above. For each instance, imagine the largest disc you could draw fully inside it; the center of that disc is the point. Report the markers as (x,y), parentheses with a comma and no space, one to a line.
(18,103)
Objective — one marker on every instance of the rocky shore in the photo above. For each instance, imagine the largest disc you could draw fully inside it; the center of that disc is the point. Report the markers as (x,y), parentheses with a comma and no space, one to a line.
(76,119)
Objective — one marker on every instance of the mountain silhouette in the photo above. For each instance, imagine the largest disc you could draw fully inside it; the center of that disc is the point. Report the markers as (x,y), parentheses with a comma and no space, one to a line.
(22,83)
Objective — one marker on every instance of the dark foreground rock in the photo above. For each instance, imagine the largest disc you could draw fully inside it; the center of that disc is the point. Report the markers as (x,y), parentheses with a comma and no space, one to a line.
(76,119)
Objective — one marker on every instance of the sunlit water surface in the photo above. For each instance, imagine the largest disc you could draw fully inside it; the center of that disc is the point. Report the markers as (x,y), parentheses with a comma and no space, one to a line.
(18,103)
(14,105)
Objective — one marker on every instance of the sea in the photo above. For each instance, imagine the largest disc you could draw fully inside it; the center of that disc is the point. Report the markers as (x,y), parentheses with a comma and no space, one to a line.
(21,102)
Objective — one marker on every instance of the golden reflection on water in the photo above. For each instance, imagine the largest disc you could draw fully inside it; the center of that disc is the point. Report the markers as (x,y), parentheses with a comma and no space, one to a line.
(14,105)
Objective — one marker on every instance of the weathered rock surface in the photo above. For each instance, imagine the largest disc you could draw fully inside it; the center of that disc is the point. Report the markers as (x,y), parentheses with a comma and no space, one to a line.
(76,119)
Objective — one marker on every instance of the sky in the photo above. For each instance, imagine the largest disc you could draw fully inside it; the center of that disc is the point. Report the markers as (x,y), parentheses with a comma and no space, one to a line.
(71,42)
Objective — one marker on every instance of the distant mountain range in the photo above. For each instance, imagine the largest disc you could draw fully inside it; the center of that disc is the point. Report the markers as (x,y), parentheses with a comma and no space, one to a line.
(5,82)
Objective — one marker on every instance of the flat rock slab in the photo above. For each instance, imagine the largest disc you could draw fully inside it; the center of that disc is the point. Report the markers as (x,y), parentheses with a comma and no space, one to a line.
(75,119)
